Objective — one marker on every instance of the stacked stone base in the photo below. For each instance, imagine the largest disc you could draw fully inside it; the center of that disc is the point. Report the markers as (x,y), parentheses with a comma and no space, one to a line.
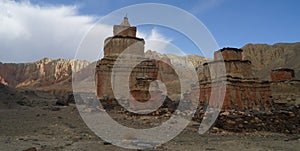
(286,92)
(138,74)
(238,94)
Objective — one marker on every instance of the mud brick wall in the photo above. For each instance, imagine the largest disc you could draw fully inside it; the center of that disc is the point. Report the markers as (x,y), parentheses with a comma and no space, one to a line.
(285,88)
(131,69)
(116,45)
(141,71)
(238,95)
(286,92)
(228,54)
(124,31)
(235,68)
(103,75)
(243,90)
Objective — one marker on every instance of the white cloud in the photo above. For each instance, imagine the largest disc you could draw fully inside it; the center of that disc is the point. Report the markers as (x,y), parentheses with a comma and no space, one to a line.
(30,32)
(154,40)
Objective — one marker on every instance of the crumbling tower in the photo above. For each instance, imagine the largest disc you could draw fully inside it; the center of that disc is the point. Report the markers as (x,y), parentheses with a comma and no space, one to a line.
(243,90)
(123,38)
(124,56)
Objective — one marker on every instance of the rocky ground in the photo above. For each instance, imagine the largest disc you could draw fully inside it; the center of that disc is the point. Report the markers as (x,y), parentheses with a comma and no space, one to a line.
(26,124)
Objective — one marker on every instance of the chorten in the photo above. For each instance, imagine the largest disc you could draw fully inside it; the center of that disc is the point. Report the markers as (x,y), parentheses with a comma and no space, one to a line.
(124,38)
(124,47)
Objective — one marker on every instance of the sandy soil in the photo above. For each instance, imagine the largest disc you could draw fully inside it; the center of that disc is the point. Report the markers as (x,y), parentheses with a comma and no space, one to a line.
(48,127)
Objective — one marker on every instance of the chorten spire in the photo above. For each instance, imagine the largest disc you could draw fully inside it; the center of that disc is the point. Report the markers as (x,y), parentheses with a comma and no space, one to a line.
(124,29)
(125,21)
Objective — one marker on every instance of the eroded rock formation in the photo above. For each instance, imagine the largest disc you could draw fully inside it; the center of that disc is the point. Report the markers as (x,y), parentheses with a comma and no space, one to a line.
(46,75)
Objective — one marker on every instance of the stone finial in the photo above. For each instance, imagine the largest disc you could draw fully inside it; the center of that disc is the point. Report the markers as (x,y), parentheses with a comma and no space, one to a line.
(124,29)
(125,22)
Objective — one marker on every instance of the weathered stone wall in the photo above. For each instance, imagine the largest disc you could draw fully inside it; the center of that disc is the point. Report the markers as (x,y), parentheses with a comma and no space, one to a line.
(124,31)
(141,71)
(239,94)
(133,46)
(103,75)
(139,80)
(106,67)
(243,90)
(285,88)
(233,68)
(286,92)
(228,54)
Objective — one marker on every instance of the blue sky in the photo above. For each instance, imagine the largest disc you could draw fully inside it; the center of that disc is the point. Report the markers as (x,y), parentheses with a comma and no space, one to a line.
(233,23)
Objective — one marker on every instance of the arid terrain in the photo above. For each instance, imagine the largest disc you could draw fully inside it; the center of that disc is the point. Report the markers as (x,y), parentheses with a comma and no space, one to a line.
(42,125)
(38,110)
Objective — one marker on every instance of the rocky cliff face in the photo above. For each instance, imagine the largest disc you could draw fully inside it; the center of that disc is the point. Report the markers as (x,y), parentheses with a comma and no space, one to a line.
(55,75)
(264,57)
(195,60)
(45,74)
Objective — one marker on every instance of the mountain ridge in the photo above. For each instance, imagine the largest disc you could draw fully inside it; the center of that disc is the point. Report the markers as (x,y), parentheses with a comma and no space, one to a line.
(55,75)
(266,57)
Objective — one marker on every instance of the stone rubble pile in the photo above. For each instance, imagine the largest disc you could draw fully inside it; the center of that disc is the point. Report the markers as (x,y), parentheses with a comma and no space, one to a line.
(280,120)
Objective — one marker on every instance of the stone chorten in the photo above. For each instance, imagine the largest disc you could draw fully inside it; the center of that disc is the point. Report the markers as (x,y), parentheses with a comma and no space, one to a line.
(142,71)
(123,38)
(243,90)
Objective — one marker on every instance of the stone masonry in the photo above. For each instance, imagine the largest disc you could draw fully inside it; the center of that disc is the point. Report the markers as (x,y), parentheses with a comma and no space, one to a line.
(124,55)
(285,87)
(243,90)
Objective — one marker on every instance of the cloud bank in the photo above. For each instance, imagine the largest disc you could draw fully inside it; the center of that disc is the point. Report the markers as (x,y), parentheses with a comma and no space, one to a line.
(29,32)
(154,40)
